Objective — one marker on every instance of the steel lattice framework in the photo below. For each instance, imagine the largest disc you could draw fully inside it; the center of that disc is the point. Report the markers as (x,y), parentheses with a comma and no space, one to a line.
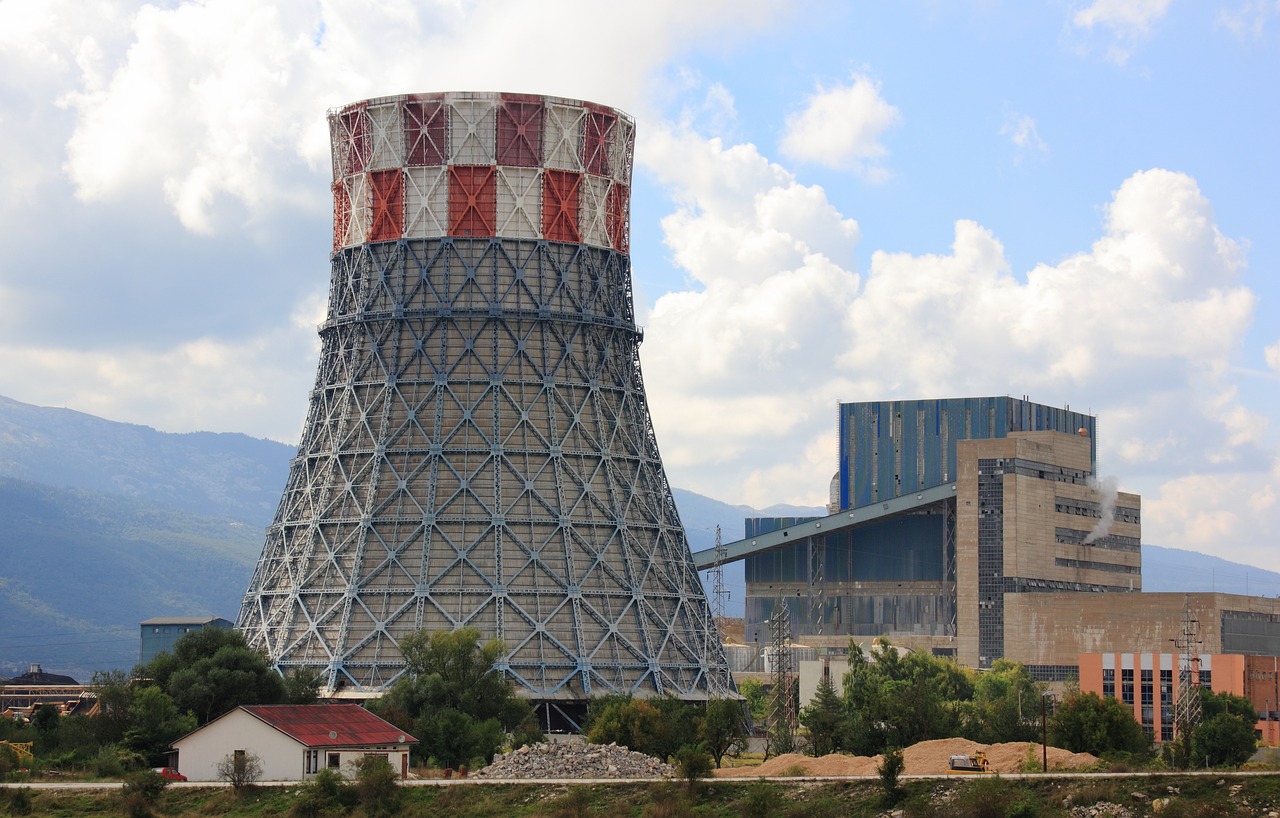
(478,449)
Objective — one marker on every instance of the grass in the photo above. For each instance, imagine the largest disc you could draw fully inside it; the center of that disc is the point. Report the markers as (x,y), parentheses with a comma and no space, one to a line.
(988,797)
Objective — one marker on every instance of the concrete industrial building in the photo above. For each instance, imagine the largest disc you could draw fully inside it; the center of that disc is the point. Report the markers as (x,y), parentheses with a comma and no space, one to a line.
(160,633)
(478,449)
(976,528)
(944,509)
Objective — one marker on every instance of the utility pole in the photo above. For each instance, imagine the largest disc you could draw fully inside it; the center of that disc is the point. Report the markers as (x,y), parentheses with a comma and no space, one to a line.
(718,592)
(1186,714)
(782,712)
(1044,730)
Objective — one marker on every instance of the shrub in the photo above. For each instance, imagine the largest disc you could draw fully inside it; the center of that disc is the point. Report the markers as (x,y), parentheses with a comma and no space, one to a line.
(691,764)
(146,784)
(239,769)
(377,784)
(761,800)
(20,801)
(112,761)
(890,768)
(137,806)
(575,804)
(666,802)
(326,791)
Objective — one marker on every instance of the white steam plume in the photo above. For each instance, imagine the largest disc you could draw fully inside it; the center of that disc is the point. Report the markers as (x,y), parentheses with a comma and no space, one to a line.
(1106,488)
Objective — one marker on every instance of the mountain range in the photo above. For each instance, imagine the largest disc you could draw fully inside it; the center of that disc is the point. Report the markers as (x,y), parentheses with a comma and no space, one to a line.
(104,524)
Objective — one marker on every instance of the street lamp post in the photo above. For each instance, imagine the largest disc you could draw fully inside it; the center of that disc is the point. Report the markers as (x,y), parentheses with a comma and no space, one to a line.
(1044,732)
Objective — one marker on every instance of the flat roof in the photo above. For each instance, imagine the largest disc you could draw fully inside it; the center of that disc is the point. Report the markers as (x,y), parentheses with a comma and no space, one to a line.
(849,518)
(183,620)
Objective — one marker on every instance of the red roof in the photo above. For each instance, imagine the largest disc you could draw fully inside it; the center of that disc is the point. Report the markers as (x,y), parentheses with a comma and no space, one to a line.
(329,725)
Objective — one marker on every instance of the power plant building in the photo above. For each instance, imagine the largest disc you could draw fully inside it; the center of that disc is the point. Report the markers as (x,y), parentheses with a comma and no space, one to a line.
(942,510)
(977,528)
(478,449)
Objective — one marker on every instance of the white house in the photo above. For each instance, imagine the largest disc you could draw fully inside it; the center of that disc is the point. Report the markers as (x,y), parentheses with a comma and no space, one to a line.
(293,741)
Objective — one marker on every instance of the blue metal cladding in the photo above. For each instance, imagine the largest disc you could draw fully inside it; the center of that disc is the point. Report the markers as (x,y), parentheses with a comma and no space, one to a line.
(907,478)
(905,549)
(891,448)
(843,435)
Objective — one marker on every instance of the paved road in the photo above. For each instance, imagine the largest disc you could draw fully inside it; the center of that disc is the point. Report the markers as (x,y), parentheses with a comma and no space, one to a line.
(464,782)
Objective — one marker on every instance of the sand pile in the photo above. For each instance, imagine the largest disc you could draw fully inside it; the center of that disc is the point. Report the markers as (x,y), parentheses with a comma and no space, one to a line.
(925,758)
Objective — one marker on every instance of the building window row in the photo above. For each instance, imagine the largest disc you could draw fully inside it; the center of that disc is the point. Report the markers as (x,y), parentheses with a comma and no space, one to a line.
(1053,673)
(1111,542)
(1047,471)
(1085,508)
(1097,566)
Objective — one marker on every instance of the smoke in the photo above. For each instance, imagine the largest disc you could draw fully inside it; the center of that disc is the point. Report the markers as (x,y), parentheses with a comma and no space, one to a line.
(1106,488)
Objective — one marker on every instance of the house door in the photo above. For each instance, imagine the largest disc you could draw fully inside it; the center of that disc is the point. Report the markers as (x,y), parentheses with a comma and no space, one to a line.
(404,766)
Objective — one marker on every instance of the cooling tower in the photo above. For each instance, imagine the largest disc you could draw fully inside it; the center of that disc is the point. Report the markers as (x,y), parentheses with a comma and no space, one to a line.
(478,449)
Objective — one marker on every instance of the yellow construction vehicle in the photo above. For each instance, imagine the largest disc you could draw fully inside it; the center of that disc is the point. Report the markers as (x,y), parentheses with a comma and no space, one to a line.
(975,764)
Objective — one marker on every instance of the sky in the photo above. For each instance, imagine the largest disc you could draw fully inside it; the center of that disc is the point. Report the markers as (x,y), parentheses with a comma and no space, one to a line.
(833,201)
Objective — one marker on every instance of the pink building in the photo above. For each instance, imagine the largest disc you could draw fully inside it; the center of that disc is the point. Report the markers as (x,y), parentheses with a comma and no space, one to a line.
(1148,682)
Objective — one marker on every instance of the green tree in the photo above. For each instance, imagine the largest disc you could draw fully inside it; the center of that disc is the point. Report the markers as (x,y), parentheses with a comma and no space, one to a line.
(1005,705)
(1212,704)
(897,700)
(302,685)
(8,760)
(679,723)
(452,700)
(692,763)
(632,723)
(212,671)
(155,722)
(753,690)
(825,719)
(115,705)
(1225,740)
(45,721)
(723,728)
(1089,723)
(658,727)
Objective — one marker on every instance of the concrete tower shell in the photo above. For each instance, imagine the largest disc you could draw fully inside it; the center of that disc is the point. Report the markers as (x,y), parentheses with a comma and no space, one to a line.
(478,449)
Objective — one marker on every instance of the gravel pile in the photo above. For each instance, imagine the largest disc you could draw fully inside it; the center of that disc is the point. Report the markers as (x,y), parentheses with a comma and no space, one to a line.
(572,760)
(1102,809)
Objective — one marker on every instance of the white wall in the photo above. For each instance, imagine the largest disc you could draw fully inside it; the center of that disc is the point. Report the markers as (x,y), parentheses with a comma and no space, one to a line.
(199,753)
(810,673)
(282,758)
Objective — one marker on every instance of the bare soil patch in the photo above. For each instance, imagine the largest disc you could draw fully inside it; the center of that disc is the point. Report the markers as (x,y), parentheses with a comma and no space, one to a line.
(925,758)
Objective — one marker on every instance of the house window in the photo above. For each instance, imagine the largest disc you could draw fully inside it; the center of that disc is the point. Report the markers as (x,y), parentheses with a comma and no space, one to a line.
(311,761)
(335,761)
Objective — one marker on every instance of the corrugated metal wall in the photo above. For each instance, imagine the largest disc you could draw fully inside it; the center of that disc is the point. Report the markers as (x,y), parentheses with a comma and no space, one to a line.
(891,448)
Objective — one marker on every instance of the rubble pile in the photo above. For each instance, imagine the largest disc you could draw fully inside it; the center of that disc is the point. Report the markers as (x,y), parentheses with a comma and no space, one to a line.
(566,760)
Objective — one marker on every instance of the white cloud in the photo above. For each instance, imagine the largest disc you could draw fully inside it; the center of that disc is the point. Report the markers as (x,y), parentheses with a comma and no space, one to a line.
(1022,133)
(1122,16)
(219,107)
(1272,354)
(1249,20)
(740,364)
(842,127)
(1127,22)
(1139,328)
(204,383)
(1229,516)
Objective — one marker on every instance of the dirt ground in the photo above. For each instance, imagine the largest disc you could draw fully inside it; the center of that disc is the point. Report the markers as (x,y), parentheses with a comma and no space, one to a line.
(925,758)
